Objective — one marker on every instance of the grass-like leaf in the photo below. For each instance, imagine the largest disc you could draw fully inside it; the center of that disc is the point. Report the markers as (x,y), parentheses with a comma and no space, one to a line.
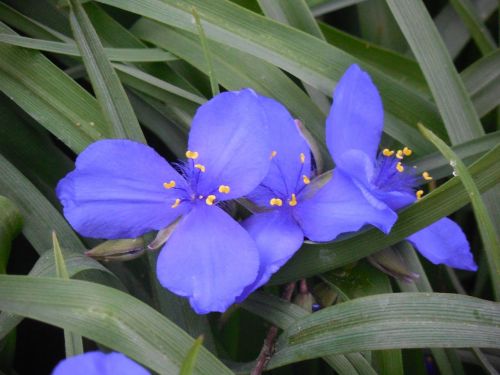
(108,316)
(109,91)
(486,227)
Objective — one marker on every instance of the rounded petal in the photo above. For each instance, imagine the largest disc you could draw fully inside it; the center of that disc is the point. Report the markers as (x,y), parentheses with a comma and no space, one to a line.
(97,363)
(116,191)
(278,237)
(290,154)
(229,133)
(209,258)
(356,118)
(444,242)
(341,206)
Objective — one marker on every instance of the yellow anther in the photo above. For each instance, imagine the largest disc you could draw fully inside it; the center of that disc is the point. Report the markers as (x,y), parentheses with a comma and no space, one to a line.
(302,158)
(273,154)
(293,202)
(407,151)
(400,167)
(306,180)
(399,154)
(224,189)
(176,203)
(169,185)
(201,167)
(426,176)
(210,199)
(276,202)
(419,194)
(191,154)
(387,152)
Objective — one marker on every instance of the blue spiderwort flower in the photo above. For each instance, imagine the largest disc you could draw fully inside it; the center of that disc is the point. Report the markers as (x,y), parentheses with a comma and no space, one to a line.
(97,363)
(123,189)
(278,230)
(368,186)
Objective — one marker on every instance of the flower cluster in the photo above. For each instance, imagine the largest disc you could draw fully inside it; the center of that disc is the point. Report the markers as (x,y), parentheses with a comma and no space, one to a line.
(242,144)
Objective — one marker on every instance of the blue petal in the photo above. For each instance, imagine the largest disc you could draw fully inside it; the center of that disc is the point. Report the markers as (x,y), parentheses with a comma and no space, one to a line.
(288,144)
(116,191)
(278,237)
(356,119)
(341,206)
(229,133)
(444,242)
(97,363)
(210,258)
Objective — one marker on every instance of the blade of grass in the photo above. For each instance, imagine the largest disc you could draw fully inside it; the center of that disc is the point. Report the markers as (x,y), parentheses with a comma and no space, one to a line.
(308,58)
(109,91)
(72,343)
(283,314)
(477,29)
(387,321)
(486,228)
(187,367)
(214,83)
(11,223)
(108,316)
(114,54)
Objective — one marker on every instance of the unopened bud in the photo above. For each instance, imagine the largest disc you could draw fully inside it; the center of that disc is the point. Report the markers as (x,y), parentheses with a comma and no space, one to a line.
(118,250)
(390,262)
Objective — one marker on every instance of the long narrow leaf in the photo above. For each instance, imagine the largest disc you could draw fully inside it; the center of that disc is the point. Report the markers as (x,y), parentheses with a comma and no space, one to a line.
(109,91)
(108,316)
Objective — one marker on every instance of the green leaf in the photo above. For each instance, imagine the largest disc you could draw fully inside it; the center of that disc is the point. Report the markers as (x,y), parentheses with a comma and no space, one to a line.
(108,316)
(477,29)
(107,86)
(486,227)
(190,360)
(10,226)
(72,343)
(308,58)
(115,54)
(312,259)
(50,96)
(214,83)
(283,314)
(388,321)
(460,118)
(361,281)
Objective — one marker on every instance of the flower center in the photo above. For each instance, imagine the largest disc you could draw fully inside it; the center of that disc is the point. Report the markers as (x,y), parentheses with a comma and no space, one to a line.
(191,172)
(285,196)
(392,174)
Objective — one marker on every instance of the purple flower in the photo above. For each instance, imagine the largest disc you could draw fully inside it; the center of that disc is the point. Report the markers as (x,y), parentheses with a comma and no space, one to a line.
(369,186)
(278,230)
(97,363)
(123,189)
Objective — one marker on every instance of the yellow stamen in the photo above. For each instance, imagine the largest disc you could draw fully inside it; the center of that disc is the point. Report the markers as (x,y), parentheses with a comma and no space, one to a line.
(387,152)
(169,185)
(276,202)
(399,154)
(419,194)
(176,203)
(293,202)
(210,199)
(201,167)
(192,154)
(273,154)
(306,180)
(224,189)
(407,151)
(302,158)
(426,176)
(400,167)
